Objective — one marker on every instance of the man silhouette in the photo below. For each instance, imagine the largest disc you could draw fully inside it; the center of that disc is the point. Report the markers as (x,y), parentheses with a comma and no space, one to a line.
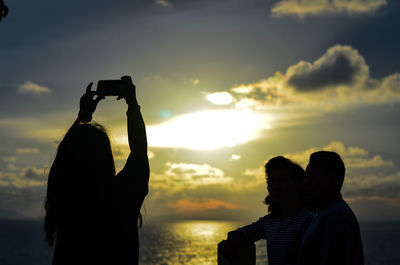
(333,237)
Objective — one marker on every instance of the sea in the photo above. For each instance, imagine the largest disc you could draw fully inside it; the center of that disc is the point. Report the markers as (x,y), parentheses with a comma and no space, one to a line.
(184,242)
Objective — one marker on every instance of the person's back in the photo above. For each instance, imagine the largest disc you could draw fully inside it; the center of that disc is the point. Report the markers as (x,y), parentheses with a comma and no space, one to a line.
(332,238)
(78,197)
(105,233)
(129,189)
(85,240)
(334,235)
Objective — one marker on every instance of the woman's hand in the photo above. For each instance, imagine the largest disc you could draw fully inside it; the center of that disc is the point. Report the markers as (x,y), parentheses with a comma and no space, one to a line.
(128,91)
(88,104)
(232,244)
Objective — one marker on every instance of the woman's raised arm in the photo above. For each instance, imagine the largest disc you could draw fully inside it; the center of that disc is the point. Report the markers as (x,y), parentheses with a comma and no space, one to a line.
(136,127)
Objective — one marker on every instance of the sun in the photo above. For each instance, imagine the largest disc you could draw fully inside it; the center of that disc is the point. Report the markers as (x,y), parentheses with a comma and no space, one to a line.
(209,129)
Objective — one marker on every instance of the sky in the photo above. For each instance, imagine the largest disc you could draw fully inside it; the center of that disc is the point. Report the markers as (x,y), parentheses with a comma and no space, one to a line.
(223,87)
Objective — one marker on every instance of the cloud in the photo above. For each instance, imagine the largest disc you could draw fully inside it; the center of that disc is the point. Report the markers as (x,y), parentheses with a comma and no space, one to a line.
(22,191)
(9,159)
(201,181)
(191,171)
(195,81)
(353,157)
(150,154)
(340,65)
(23,178)
(205,209)
(202,191)
(12,167)
(27,150)
(220,98)
(46,128)
(375,208)
(340,77)
(373,185)
(178,176)
(30,87)
(194,182)
(303,8)
(164,3)
(121,152)
(187,206)
(33,173)
(235,157)
(376,161)
(154,78)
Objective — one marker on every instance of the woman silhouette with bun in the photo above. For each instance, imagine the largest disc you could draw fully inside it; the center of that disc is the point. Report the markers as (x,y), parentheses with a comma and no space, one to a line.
(92,214)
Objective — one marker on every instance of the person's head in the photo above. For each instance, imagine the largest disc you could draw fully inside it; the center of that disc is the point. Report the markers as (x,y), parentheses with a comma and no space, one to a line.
(324,178)
(86,148)
(78,176)
(284,183)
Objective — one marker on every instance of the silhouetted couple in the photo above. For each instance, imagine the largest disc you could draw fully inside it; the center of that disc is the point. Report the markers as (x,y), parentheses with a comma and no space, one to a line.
(308,223)
(92,213)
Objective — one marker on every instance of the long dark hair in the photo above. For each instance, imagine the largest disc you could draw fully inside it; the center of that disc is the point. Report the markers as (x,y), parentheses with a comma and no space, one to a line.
(293,170)
(79,176)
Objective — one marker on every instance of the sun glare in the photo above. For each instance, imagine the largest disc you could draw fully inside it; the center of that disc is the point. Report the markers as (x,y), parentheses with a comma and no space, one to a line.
(208,129)
(220,98)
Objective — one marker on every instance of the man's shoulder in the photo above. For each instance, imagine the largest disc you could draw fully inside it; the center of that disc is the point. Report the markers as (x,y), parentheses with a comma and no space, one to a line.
(338,213)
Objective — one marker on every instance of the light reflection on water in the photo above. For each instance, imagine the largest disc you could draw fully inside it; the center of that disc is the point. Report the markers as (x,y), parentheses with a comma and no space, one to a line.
(186,242)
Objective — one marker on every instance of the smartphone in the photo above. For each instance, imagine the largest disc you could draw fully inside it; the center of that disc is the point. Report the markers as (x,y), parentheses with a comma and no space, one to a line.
(109,87)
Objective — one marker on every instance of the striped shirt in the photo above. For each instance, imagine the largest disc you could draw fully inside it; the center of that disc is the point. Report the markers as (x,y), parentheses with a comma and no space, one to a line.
(283,236)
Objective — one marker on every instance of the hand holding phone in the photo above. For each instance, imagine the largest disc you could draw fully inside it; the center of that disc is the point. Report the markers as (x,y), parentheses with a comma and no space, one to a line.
(110,87)
(123,88)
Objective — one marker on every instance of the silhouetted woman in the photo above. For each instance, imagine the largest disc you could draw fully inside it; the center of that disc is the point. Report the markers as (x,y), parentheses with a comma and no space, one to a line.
(92,213)
(287,219)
